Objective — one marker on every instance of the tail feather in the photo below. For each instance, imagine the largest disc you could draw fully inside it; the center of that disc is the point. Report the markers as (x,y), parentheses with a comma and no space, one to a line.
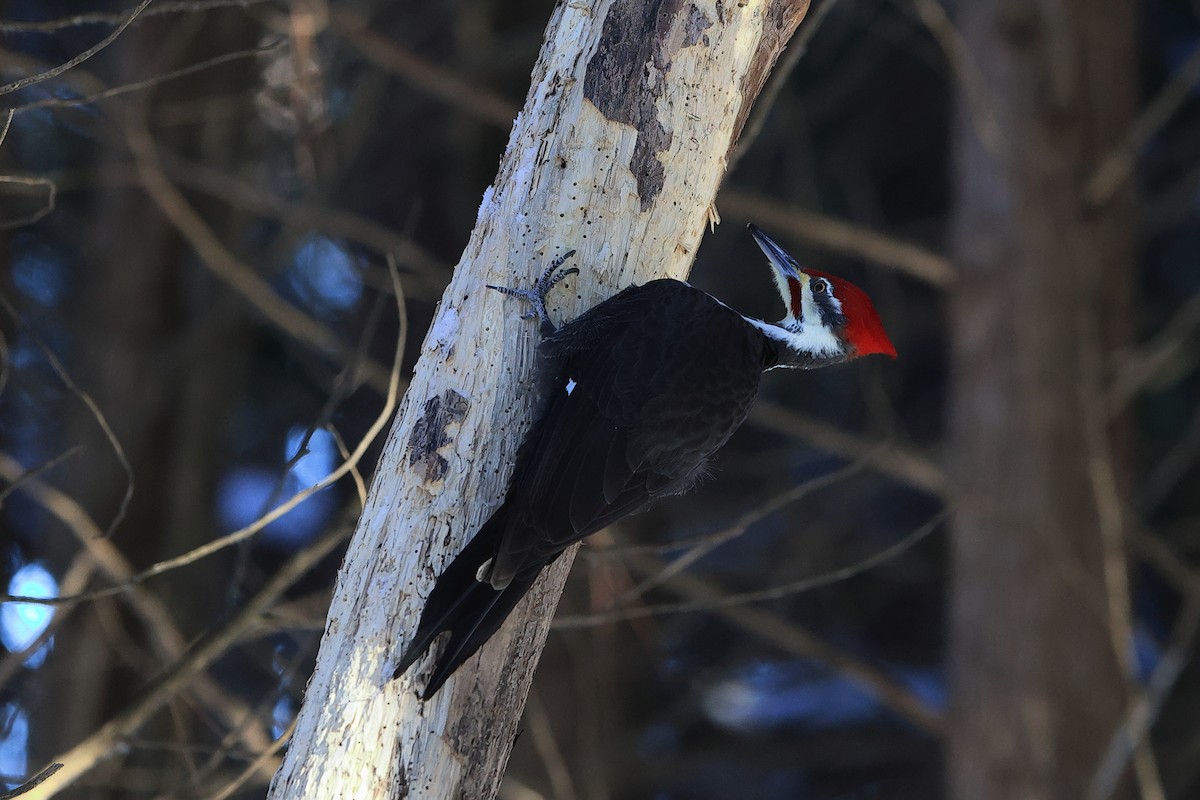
(481,616)
(459,603)
(427,631)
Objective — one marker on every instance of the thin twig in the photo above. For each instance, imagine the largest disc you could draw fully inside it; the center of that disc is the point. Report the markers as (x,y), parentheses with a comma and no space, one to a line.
(958,53)
(780,75)
(47,207)
(32,783)
(1111,526)
(546,744)
(8,118)
(263,759)
(168,641)
(54,72)
(359,484)
(97,414)
(907,467)
(1153,357)
(797,641)
(457,92)
(37,472)
(228,267)
(701,547)
(150,83)
(102,744)
(1171,468)
(267,764)
(1117,166)
(841,236)
(758,595)
(1142,713)
(346,383)
(254,527)
(74,579)
(1163,558)
(333,222)
(101,18)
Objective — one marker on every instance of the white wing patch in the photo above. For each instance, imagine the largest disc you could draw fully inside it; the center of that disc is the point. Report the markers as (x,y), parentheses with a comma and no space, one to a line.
(570,385)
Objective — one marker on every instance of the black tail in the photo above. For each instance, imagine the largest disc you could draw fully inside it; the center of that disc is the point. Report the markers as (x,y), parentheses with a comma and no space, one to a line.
(472,611)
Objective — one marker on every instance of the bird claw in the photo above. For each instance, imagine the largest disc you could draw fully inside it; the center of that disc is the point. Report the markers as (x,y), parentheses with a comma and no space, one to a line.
(536,297)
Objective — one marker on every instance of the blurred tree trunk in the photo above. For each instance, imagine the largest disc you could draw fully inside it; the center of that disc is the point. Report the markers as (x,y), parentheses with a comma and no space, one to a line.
(122,314)
(131,320)
(1039,626)
(618,153)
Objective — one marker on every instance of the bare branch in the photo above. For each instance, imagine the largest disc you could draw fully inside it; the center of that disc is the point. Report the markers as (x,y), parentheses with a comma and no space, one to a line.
(841,236)
(107,740)
(1163,558)
(1118,165)
(1140,715)
(256,766)
(128,19)
(254,527)
(793,639)
(730,599)
(425,75)
(36,472)
(150,83)
(547,747)
(1154,357)
(331,221)
(966,72)
(31,784)
(702,546)
(48,206)
(101,18)
(1171,468)
(711,540)
(168,642)
(74,579)
(359,484)
(909,468)
(1110,517)
(779,78)
(86,399)
(226,266)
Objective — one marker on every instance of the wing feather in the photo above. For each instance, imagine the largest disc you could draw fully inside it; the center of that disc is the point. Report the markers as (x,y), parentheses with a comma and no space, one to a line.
(648,405)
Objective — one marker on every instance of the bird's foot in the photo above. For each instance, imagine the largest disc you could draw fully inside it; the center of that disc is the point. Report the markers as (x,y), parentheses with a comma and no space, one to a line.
(536,297)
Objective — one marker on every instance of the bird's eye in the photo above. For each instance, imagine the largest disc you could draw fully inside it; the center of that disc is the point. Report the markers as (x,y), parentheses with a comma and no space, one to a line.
(821,286)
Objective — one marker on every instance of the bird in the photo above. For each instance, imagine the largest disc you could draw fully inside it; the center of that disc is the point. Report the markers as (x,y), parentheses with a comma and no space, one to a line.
(640,391)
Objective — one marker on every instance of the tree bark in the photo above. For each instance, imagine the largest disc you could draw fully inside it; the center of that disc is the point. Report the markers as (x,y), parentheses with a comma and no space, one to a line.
(618,152)
(1039,627)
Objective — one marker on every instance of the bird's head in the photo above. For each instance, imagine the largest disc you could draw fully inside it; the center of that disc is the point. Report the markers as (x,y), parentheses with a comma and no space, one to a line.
(828,319)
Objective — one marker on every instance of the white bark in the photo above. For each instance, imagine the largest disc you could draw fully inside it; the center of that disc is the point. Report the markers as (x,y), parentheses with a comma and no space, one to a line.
(617,153)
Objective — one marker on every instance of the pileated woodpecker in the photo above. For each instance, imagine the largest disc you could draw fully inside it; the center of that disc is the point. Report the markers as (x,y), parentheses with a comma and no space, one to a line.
(643,389)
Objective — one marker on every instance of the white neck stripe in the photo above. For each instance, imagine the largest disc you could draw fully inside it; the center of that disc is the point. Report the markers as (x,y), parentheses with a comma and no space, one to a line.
(815,340)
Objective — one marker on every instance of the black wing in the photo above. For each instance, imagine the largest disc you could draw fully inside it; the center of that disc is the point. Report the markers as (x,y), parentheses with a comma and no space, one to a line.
(644,388)
(648,385)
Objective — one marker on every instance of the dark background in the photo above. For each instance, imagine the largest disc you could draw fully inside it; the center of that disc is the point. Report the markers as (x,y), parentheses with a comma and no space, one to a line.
(371,127)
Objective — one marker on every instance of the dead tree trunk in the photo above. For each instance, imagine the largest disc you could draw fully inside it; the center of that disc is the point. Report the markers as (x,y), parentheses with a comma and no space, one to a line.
(617,153)
(1039,610)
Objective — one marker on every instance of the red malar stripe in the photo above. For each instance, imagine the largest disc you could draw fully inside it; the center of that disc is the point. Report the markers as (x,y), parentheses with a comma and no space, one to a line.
(794,285)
